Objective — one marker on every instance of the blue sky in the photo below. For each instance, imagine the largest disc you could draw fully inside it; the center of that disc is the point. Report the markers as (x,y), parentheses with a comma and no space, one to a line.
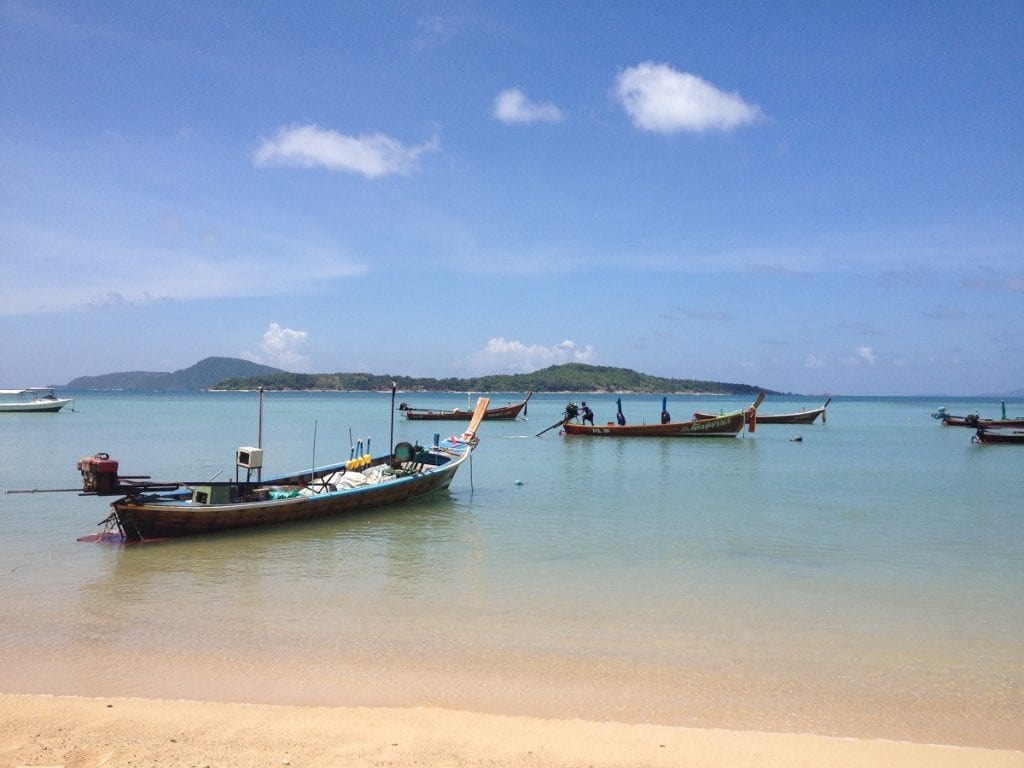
(809,197)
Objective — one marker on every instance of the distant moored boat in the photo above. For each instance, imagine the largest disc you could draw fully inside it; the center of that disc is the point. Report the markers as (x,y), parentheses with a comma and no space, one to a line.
(725,425)
(502,412)
(800,417)
(32,400)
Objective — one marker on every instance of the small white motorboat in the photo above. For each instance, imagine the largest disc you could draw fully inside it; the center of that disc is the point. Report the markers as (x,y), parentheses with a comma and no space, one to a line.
(32,399)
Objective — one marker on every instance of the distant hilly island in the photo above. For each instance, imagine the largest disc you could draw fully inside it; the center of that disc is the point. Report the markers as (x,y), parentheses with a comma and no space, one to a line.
(203,375)
(227,373)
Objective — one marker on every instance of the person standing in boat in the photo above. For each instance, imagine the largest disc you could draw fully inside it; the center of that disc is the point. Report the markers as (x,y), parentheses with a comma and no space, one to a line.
(588,415)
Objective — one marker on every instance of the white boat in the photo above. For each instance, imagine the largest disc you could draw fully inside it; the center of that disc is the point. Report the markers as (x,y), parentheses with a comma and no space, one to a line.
(32,399)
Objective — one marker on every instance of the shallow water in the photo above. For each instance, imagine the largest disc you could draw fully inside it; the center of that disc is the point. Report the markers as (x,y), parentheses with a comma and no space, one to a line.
(868,580)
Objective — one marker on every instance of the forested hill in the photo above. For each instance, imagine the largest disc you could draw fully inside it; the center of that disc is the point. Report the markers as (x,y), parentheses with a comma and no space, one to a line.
(203,375)
(572,377)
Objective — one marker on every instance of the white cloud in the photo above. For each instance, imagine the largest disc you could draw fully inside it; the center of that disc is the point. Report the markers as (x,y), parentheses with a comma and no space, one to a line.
(282,348)
(502,355)
(814,361)
(862,355)
(867,354)
(512,106)
(663,100)
(309,146)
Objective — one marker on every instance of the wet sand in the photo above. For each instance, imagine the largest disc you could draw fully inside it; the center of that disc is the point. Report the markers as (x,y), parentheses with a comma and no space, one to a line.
(43,730)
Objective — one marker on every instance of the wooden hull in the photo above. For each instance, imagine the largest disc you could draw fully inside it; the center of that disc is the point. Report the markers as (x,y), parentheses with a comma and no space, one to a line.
(726,425)
(159,516)
(504,412)
(976,422)
(803,417)
(1000,435)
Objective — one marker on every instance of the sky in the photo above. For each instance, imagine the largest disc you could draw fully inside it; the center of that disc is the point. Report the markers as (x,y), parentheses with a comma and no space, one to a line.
(807,197)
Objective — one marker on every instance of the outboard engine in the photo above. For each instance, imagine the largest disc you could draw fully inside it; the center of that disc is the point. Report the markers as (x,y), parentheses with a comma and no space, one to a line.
(99,473)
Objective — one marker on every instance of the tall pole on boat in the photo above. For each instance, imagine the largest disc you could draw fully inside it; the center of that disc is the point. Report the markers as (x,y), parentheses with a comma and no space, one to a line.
(259,434)
(312,471)
(259,439)
(391,445)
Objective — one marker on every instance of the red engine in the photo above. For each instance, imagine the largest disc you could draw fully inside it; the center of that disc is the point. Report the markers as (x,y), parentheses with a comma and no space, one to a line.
(99,473)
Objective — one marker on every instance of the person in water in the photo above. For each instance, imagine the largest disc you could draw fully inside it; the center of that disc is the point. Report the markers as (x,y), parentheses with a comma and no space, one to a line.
(588,415)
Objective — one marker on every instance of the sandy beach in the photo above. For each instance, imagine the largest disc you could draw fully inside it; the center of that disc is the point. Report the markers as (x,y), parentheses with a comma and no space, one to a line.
(75,732)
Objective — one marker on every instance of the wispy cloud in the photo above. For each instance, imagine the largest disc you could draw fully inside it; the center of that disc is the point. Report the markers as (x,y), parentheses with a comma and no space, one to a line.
(814,361)
(1008,284)
(432,31)
(513,106)
(501,354)
(309,146)
(282,348)
(210,263)
(862,355)
(661,99)
(708,315)
(861,328)
(944,313)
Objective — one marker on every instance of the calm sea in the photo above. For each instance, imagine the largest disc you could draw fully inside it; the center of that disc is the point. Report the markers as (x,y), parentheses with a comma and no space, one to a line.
(867,580)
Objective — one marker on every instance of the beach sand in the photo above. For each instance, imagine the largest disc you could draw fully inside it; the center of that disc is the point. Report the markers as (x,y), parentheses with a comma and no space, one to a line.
(75,732)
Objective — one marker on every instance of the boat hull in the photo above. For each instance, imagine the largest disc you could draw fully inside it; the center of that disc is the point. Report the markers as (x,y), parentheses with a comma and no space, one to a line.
(726,425)
(977,422)
(145,517)
(803,417)
(502,412)
(1000,435)
(35,406)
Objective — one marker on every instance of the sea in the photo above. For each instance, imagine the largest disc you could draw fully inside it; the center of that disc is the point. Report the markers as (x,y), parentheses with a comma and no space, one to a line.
(862,577)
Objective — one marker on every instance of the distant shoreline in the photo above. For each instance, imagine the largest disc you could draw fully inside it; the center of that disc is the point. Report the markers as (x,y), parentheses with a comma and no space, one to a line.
(221,373)
(594,392)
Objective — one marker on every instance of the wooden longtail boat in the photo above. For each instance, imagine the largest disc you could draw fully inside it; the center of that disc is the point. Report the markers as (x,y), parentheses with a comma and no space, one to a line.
(725,425)
(502,412)
(800,417)
(999,435)
(975,421)
(150,510)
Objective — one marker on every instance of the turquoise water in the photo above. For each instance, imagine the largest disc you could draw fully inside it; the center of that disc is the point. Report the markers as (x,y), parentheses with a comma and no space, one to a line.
(867,580)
